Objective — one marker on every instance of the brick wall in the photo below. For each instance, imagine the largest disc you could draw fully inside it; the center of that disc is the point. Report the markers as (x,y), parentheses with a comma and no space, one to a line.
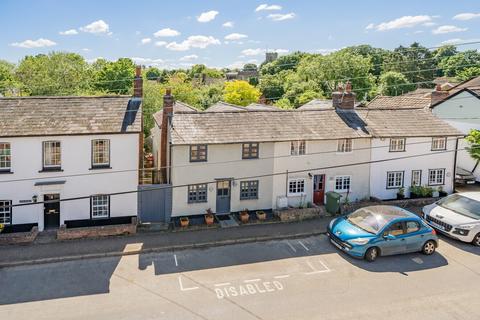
(19,237)
(95,232)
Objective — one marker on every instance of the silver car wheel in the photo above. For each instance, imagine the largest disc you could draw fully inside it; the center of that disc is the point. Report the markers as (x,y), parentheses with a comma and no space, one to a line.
(429,247)
(476,240)
(373,253)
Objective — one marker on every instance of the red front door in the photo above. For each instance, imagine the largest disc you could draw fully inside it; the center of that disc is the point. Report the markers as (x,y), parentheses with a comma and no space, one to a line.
(318,188)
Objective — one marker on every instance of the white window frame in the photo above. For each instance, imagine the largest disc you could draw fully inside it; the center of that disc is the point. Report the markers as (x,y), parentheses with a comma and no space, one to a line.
(53,156)
(419,178)
(298,148)
(437,173)
(297,185)
(5,156)
(96,151)
(345,145)
(5,213)
(397,144)
(439,143)
(343,183)
(397,178)
(100,206)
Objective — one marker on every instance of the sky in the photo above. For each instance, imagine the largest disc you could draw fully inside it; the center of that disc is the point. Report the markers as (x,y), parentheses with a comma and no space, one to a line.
(175,34)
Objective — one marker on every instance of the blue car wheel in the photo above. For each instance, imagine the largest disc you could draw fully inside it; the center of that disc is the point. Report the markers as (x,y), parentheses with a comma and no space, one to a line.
(428,248)
(372,254)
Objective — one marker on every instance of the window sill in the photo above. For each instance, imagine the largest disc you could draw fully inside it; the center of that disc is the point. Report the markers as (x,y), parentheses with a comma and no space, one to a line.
(246,199)
(6,172)
(198,160)
(433,150)
(100,167)
(51,170)
(302,194)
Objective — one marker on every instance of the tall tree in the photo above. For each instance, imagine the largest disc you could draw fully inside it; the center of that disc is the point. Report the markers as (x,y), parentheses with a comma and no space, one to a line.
(393,83)
(8,84)
(115,76)
(240,93)
(455,64)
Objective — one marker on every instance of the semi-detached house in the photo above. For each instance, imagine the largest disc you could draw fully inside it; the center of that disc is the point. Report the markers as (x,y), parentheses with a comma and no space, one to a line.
(228,158)
(59,148)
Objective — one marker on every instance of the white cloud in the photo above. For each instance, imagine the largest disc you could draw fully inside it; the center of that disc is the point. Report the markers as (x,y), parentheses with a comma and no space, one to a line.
(148,61)
(207,16)
(167,32)
(448,29)
(198,41)
(281,17)
(190,57)
(402,22)
(235,36)
(86,49)
(93,59)
(70,32)
(259,51)
(146,40)
(370,26)
(429,24)
(281,51)
(236,65)
(418,31)
(160,43)
(466,16)
(96,27)
(266,7)
(228,24)
(39,43)
(326,51)
(458,40)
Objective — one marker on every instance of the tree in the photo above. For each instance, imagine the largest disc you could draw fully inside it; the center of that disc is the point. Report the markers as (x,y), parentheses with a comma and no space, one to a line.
(287,62)
(240,93)
(284,103)
(153,73)
(250,67)
(473,139)
(115,76)
(454,65)
(271,86)
(376,55)
(57,73)
(8,83)
(468,73)
(393,83)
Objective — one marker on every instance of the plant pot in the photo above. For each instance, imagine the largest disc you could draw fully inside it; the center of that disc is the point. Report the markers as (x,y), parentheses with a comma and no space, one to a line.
(400,196)
(261,215)
(244,216)
(442,194)
(209,219)
(184,222)
(413,195)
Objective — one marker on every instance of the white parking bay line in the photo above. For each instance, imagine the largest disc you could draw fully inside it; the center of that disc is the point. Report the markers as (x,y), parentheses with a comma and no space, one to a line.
(304,246)
(291,247)
(222,284)
(182,288)
(176,261)
(315,271)
(251,280)
(282,276)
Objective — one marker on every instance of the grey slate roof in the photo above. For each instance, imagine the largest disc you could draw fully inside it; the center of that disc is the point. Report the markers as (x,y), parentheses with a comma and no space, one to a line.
(398,102)
(39,116)
(261,107)
(223,106)
(317,104)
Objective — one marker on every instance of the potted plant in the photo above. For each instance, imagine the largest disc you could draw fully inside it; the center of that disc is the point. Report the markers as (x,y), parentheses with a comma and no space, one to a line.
(435,193)
(184,222)
(261,215)
(244,216)
(401,194)
(441,193)
(414,192)
(209,218)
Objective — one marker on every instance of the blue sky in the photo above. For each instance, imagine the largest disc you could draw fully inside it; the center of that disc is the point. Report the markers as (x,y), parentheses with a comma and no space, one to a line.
(226,33)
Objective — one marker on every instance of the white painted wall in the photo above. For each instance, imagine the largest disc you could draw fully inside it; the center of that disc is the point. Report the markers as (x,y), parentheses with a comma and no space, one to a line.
(414,147)
(76,160)
(225,161)
(467,107)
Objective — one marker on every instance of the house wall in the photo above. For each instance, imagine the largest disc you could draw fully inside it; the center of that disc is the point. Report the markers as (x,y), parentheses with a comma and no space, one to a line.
(225,161)
(414,147)
(79,179)
(467,107)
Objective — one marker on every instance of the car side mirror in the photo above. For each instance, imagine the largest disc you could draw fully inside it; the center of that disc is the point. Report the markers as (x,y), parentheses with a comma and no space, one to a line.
(389,237)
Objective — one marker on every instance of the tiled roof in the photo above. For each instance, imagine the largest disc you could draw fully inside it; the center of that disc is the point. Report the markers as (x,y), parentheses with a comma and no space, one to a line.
(420,93)
(38,116)
(223,106)
(317,104)
(261,107)
(398,102)
(473,83)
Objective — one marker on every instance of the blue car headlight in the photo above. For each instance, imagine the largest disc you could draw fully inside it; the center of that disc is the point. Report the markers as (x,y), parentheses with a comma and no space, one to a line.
(359,241)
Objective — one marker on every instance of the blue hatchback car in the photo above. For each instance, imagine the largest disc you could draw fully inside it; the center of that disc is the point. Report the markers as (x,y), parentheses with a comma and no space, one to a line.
(381,230)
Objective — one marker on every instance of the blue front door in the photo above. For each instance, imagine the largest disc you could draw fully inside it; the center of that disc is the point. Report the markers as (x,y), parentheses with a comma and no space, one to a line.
(223,196)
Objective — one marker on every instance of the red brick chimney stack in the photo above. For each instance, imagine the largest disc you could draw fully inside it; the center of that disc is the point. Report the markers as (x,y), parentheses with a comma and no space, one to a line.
(344,100)
(138,83)
(167,114)
(438,94)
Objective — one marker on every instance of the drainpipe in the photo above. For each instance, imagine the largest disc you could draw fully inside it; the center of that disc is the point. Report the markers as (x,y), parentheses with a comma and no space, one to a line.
(455,164)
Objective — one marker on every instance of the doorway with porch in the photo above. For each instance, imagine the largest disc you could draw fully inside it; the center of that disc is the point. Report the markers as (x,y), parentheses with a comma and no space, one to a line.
(319,189)
(223,196)
(51,211)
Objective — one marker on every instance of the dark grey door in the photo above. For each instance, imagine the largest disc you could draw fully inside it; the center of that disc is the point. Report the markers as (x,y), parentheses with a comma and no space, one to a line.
(51,211)
(223,196)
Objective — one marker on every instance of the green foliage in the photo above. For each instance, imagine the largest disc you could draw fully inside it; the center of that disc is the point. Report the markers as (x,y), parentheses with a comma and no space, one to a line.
(473,139)
(115,76)
(393,83)
(457,63)
(8,83)
(240,93)
(284,103)
(153,73)
(250,67)
(468,73)
(288,62)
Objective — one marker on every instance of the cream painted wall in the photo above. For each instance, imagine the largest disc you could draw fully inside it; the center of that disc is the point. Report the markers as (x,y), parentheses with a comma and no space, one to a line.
(224,161)
(414,147)
(76,160)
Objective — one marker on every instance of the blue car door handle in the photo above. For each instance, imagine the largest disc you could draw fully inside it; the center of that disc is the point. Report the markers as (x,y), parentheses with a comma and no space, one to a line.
(403,239)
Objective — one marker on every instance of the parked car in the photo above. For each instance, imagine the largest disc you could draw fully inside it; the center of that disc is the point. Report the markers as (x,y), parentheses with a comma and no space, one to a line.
(457,216)
(381,230)
(463,176)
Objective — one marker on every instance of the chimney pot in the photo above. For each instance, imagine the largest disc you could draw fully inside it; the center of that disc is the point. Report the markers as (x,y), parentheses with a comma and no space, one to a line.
(348,87)
(438,87)
(138,83)
(138,71)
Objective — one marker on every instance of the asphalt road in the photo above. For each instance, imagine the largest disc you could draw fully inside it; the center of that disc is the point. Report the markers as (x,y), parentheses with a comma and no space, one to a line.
(295,279)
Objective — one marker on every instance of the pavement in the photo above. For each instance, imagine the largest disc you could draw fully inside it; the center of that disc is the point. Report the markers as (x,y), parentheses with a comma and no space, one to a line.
(145,242)
(302,278)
